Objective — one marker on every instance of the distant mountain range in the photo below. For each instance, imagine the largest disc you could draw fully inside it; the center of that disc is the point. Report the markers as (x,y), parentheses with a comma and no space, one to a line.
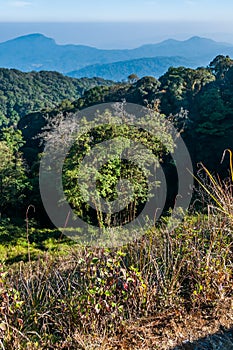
(153,66)
(38,52)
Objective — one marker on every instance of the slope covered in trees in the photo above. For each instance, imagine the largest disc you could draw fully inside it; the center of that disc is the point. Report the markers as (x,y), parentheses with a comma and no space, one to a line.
(204,95)
(22,93)
(118,71)
(201,101)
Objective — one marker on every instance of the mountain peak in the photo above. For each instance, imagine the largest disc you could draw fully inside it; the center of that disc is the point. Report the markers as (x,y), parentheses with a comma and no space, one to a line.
(39,52)
(196,38)
(199,38)
(33,35)
(33,38)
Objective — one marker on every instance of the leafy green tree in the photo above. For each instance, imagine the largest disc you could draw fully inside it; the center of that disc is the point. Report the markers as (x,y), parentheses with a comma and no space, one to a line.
(13,179)
(13,138)
(213,123)
(212,113)
(24,93)
(180,85)
(115,170)
(220,65)
(13,174)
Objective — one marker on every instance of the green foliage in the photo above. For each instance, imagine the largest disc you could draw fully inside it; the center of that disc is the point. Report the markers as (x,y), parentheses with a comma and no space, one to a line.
(115,170)
(220,65)
(13,179)
(23,93)
(14,242)
(213,113)
(121,70)
(202,103)
(203,108)
(180,86)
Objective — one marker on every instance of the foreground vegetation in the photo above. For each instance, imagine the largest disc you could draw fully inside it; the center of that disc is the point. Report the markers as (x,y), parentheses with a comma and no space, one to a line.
(64,301)
(23,93)
(88,295)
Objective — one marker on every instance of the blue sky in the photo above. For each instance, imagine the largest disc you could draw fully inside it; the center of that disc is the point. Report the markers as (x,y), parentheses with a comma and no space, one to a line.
(110,10)
(114,24)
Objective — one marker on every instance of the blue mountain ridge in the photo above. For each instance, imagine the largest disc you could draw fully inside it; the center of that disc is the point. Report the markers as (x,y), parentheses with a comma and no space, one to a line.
(38,52)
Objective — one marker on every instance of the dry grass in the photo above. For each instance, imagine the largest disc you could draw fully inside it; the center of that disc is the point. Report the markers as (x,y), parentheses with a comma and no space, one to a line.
(180,330)
(167,288)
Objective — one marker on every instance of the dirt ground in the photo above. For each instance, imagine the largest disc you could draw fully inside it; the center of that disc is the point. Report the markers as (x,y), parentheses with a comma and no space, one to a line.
(173,330)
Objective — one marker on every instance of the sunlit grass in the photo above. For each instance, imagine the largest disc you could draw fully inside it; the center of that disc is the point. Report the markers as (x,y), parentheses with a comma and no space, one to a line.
(97,291)
(220,191)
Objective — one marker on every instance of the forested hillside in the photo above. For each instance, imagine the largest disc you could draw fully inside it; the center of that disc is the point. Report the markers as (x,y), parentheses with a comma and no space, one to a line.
(201,101)
(204,96)
(119,71)
(22,93)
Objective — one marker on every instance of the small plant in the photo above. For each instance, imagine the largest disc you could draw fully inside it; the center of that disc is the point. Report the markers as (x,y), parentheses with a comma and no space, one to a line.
(10,314)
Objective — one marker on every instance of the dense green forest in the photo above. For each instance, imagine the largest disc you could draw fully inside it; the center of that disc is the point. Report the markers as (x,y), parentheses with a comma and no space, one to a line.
(155,66)
(201,101)
(22,93)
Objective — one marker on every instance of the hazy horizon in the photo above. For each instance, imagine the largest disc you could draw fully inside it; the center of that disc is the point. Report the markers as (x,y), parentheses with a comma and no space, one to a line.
(117,24)
(118,35)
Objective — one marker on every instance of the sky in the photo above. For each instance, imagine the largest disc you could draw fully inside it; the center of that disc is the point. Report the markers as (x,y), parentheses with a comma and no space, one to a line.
(121,23)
